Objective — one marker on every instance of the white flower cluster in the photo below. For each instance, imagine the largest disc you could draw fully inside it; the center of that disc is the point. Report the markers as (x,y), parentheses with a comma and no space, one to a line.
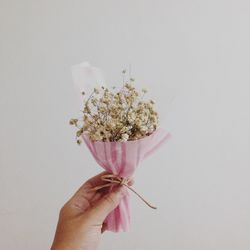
(110,115)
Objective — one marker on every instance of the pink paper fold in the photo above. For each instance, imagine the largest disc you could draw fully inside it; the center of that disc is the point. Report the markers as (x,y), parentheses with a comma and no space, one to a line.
(122,158)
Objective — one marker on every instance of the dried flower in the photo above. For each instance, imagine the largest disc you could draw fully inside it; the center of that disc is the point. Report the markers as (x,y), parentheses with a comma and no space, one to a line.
(96,91)
(73,122)
(112,115)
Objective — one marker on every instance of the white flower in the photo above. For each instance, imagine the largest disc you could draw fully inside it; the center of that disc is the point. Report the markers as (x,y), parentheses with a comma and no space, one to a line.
(124,137)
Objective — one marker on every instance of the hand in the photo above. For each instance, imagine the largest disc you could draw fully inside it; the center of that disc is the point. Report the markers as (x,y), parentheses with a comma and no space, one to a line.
(81,219)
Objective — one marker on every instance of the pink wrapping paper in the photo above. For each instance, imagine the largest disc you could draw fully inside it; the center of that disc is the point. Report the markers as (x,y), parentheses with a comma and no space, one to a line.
(122,158)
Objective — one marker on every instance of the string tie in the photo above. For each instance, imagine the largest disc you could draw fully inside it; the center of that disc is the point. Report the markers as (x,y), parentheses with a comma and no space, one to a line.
(112,179)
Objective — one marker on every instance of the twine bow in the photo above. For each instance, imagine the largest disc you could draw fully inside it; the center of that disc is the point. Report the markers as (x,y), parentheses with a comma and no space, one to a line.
(112,179)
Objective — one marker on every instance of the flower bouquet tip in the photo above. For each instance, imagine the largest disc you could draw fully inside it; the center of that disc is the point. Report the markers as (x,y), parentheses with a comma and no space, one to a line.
(120,128)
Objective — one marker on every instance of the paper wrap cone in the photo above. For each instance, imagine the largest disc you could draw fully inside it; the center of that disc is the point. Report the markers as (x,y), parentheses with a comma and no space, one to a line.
(122,159)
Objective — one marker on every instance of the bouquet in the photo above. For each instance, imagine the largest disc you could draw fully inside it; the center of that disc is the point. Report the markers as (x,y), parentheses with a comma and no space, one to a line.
(120,128)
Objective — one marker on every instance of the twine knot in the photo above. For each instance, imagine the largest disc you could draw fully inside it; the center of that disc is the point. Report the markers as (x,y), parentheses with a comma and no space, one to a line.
(112,179)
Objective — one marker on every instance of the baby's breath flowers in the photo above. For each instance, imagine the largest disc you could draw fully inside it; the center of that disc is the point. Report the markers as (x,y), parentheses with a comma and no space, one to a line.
(111,115)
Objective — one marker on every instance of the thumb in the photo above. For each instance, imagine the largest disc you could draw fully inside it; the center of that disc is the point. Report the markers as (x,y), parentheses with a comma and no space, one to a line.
(108,203)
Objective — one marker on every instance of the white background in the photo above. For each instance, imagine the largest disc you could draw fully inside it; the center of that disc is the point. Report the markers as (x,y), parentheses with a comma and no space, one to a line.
(194,56)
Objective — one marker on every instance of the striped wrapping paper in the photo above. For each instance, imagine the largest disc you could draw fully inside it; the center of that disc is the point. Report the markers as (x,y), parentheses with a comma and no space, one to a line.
(122,158)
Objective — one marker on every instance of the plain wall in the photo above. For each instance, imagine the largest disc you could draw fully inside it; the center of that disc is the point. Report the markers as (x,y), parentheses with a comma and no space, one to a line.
(194,57)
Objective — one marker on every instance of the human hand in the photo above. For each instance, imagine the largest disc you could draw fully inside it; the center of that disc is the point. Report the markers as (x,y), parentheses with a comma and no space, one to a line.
(81,219)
